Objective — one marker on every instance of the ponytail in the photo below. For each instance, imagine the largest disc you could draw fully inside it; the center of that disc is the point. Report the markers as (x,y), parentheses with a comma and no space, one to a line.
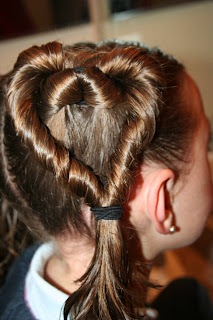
(105,290)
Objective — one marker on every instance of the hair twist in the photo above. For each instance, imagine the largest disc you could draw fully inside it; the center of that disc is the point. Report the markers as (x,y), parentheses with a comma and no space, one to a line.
(137,74)
(30,70)
(59,89)
(99,89)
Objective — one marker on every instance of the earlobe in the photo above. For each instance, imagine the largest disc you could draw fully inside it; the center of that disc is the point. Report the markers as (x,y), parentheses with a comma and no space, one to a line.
(156,198)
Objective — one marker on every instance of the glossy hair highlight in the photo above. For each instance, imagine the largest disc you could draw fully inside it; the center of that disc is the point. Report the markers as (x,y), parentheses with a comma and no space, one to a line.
(134,112)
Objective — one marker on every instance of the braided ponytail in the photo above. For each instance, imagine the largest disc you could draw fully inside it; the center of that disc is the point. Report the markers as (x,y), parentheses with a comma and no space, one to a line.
(122,89)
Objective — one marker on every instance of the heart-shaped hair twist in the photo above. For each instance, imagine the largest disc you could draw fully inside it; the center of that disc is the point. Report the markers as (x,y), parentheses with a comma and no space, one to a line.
(39,71)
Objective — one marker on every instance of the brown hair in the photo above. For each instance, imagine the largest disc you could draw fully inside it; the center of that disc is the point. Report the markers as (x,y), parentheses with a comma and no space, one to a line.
(134,112)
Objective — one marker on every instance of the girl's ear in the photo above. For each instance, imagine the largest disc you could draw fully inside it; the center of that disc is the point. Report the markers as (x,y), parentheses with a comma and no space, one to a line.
(159,186)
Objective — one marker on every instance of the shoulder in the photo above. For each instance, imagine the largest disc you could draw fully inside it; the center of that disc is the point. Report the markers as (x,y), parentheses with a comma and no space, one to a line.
(12,303)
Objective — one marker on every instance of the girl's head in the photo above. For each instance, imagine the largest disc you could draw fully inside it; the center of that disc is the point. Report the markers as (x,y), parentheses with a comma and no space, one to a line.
(182,199)
(113,124)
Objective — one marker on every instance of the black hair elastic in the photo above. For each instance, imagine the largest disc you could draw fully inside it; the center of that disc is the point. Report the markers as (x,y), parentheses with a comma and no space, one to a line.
(79,69)
(107,213)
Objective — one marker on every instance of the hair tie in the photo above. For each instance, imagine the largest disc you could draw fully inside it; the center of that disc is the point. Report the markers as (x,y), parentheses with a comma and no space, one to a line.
(79,69)
(107,213)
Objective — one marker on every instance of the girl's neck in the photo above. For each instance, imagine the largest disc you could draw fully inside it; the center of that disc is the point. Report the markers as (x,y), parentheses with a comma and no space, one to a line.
(70,262)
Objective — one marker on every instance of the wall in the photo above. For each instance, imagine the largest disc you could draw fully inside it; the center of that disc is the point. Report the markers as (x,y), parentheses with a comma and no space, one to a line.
(186,31)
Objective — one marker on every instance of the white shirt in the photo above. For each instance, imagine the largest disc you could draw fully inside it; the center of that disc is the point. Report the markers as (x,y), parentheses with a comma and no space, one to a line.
(44,300)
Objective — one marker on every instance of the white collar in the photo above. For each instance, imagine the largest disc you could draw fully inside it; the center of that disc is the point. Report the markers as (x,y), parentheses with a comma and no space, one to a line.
(44,300)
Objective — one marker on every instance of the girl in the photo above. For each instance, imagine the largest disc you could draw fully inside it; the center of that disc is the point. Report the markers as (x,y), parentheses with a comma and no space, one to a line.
(104,155)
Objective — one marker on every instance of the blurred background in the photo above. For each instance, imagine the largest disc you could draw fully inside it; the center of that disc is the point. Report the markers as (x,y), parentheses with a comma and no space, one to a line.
(183,28)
